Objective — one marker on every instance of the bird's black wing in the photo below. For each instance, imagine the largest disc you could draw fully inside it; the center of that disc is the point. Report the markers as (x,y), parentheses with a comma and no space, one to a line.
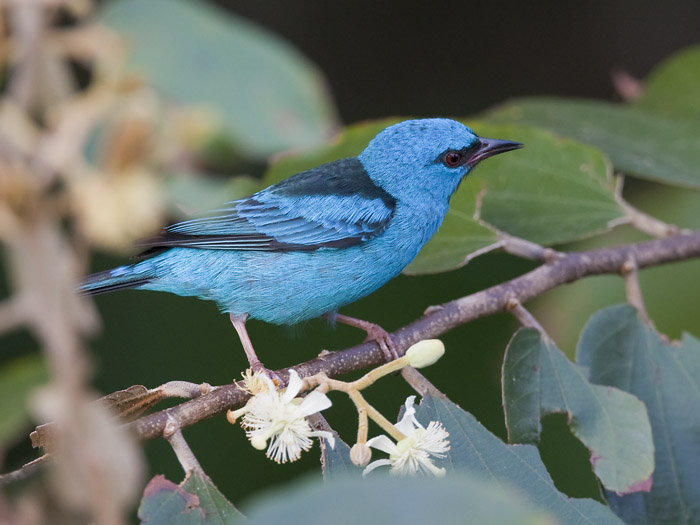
(332,206)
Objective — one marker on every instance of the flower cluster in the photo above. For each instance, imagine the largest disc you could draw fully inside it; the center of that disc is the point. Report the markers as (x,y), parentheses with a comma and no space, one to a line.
(276,419)
(413,454)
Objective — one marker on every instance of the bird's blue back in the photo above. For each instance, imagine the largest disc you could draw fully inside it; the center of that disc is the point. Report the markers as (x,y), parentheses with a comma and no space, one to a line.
(318,240)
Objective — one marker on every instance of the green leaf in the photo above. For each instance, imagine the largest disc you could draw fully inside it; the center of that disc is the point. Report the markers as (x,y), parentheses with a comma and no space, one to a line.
(672,86)
(335,462)
(457,500)
(478,452)
(196,501)
(623,351)
(549,192)
(267,94)
(348,143)
(642,143)
(17,381)
(190,194)
(460,238)
(538,379)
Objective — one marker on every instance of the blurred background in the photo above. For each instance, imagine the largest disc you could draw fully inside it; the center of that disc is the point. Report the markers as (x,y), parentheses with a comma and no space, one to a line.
(381,59)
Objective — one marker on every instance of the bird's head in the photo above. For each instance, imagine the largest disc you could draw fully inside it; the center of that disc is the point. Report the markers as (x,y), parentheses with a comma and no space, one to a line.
(427,155)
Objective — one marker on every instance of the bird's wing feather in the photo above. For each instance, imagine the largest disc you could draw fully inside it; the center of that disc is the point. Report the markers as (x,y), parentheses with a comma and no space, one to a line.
(333,206)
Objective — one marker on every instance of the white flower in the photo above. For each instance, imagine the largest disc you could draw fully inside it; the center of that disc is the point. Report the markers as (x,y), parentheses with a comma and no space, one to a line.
(280,418)
(412,455)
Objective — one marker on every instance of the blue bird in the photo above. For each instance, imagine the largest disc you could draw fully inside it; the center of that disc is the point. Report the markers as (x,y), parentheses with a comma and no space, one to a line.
(318,240)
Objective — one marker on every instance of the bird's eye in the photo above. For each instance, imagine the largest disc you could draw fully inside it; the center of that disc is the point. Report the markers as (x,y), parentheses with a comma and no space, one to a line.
(452,159)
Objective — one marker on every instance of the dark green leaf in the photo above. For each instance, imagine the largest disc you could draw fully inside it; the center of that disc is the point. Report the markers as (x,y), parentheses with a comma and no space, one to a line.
(17,380)
(336,462)
(538,379)
(643,143)
(478,452)
(196,501)
(672,86)
(268,96)
(623,351)
(457,500)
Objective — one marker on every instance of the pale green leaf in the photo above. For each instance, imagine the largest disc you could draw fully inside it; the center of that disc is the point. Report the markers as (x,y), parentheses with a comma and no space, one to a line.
(647,144)
(549,192)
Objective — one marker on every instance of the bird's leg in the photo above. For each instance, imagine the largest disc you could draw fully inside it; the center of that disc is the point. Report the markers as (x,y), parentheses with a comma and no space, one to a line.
(374,333)
(238,322)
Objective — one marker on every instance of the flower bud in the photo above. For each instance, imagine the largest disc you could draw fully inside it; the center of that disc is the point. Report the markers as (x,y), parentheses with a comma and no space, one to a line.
(360,454)
(425,353)
(258,442)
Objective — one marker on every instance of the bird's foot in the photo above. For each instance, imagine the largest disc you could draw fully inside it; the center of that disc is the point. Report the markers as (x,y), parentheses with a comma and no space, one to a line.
(383,338)
(374,333)
(259,368)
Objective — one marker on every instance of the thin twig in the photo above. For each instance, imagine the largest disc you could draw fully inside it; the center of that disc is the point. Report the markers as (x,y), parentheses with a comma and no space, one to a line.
(526,249)
(646,223)
(630,272)
(525,318)
(420,383)
(570,267)
(187,459)
(25,470)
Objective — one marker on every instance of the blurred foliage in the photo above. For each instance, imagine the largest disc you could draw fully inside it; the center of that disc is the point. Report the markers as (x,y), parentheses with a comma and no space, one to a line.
(176,97)
(265,94)
(461,499)
(672,86)
(18,378)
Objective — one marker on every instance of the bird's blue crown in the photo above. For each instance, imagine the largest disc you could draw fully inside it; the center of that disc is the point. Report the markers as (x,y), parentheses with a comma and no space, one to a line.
(412,155)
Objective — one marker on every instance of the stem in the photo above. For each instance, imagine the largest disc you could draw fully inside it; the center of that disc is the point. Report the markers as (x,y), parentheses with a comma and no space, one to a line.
(633,290)
(187,459)
(419,383)
(374,415)
(526,249)
(646,223)
(524,316)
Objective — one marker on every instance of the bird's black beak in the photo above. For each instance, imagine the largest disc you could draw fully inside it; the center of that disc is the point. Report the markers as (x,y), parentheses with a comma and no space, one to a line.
(491,147)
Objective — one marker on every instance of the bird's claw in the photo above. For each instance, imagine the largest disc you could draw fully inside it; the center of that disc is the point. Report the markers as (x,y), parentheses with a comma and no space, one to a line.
(259,368)
(383,338)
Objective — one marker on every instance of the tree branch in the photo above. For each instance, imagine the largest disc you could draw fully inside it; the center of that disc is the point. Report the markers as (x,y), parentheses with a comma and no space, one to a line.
(438,320)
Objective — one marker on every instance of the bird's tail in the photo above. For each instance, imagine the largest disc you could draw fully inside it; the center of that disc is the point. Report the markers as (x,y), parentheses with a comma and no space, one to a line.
(116,279)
